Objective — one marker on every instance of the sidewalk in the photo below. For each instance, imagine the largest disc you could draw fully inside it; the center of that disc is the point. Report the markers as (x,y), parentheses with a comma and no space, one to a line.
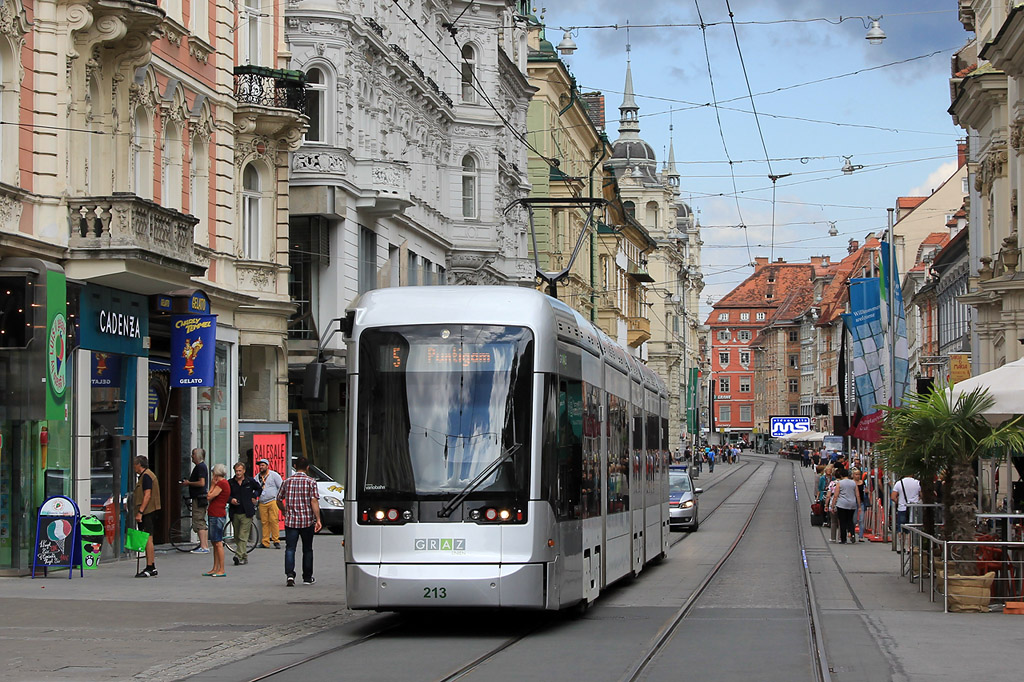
(90,628)
(878,626)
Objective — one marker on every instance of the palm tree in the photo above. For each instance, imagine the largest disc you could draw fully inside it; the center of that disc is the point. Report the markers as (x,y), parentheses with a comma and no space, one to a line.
(933,433)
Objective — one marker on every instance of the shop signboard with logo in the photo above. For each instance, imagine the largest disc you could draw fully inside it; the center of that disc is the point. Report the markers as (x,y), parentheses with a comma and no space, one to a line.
(193,344)
(959,367)
(785,425)
(114,322)
(57,535)
(56,344)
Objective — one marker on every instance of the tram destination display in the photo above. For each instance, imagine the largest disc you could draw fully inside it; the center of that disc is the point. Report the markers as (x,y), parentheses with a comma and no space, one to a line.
(439,357)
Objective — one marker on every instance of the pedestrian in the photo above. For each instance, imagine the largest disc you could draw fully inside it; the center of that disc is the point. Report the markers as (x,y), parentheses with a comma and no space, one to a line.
(146,503)
(830,503)
(906,491)
(846,503)
(245,495)
(859,477)
(300,502)
(196,483)
(270,482)
(220,493)
(711,461)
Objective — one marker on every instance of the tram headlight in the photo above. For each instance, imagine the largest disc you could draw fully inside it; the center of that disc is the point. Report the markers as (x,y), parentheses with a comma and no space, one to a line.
(491,514)
(392,514)
(504,514)
(379,514)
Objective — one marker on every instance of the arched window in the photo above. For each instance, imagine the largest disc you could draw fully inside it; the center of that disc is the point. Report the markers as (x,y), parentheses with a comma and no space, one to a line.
(630,208)
(469,187)
(8,112)
(468,73)
(316,96)
(171,180)
(251,218)
(652,215)
(142,154)
(199,189)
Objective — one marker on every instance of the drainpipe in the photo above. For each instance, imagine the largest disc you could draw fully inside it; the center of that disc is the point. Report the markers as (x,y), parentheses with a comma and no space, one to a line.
(603,145)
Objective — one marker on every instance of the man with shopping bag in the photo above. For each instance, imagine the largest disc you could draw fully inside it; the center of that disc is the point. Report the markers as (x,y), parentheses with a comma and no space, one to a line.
(145,505)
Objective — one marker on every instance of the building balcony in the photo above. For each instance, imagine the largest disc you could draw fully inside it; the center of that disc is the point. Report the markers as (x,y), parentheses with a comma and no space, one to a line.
(638,330)
(271,102)
(383,185)
(131,243)
(638,272)
(133,24)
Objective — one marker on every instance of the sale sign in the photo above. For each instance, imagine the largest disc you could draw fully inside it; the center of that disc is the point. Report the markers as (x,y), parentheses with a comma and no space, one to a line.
(272,447)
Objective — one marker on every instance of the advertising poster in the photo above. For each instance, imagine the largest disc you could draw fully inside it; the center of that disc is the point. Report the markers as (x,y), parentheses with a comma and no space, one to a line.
(106,370)
(56,344)
(274,448)
(193,342)
(898,339)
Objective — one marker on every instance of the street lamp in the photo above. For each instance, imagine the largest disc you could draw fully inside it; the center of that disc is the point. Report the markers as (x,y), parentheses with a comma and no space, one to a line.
(848,168)
(875,34)
(568,45)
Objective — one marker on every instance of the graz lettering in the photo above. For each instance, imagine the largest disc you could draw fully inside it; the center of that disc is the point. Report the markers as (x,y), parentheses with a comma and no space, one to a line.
(440,544)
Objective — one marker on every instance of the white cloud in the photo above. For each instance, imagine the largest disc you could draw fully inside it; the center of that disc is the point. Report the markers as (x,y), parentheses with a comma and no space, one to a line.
(938,176)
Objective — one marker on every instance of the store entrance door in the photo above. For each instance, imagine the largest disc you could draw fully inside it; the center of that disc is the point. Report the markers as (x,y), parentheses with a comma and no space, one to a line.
(110,448)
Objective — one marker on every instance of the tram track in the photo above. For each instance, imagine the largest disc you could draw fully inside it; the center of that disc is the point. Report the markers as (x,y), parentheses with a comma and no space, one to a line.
(816,645)
(406,621)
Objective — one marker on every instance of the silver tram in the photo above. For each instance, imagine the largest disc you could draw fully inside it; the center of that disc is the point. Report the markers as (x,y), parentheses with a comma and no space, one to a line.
(503,452)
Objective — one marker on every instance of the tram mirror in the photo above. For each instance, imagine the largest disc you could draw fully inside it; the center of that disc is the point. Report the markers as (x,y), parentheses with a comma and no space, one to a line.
(314,381)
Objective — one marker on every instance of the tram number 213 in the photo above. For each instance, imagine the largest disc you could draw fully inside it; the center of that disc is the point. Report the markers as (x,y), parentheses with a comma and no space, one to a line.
(435,593)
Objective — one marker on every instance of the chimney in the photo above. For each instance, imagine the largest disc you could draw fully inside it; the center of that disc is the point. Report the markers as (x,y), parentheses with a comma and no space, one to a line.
(760,262)
(781,260)
(852,248)
(818,260)
(595,108)
(961,153)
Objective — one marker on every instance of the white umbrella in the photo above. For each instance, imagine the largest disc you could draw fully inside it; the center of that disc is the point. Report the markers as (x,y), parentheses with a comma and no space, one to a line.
(1005,385)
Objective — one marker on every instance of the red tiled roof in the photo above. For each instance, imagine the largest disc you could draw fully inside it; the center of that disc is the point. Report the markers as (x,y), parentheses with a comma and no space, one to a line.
(963,72)
(935,238)
(753,291)
(909,202)
(834,296)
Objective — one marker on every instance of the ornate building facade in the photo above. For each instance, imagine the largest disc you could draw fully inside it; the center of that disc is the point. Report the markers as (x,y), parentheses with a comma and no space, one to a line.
(413,153)
(145,177)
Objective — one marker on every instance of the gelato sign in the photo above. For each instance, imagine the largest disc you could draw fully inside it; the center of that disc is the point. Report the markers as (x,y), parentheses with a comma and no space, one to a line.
(193,340)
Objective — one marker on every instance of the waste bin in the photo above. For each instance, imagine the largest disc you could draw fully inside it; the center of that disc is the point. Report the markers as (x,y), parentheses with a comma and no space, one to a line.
(92,541)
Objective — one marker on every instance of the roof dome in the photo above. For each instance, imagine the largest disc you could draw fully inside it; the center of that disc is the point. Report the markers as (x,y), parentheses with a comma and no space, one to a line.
(634,149)
(546,47)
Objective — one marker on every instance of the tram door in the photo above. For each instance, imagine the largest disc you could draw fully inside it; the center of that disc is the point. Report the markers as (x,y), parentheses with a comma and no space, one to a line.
(636,490)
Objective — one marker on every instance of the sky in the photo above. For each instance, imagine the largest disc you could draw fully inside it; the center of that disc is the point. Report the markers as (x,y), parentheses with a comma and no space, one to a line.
(891,117)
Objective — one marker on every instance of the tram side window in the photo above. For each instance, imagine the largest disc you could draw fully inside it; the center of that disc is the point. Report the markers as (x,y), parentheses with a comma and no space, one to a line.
(618,455)
(653,450)
(591,494)
(638,450)
(562,468)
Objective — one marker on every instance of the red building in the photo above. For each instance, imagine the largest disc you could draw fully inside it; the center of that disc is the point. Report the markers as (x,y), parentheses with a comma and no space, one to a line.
(734,322)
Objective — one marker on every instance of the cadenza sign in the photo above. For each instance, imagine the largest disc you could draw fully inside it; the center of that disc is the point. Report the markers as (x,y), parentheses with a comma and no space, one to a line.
(782,426)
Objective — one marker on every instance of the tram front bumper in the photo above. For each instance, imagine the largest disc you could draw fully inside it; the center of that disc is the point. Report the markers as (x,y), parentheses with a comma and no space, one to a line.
(401,586)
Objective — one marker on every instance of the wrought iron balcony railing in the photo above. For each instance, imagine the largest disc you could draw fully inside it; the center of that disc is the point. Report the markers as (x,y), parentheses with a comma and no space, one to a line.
(278,88)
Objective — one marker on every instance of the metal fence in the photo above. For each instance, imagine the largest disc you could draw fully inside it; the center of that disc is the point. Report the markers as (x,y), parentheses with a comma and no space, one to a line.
(999,565)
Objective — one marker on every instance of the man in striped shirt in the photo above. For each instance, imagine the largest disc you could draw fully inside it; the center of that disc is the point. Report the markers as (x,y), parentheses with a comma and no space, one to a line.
(300,502)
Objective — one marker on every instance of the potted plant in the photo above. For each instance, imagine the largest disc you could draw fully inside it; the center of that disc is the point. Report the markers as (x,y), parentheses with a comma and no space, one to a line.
(935,434)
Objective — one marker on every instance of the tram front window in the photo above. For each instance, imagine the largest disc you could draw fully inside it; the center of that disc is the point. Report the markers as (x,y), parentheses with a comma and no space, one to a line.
(438,405)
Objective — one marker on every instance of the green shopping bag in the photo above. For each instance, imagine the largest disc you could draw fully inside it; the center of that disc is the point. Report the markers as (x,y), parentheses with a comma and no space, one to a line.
(135,540)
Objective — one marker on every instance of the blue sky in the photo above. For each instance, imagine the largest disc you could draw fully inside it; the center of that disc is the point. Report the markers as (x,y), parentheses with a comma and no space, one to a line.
(892,120)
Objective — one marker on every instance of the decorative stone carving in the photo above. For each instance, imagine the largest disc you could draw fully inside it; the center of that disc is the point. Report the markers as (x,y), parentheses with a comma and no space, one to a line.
(985,272)
(199,50)
(261,148)
(1017,133)
(991,167)
(1010,253)
(319,162)
(10,212)
(258,277)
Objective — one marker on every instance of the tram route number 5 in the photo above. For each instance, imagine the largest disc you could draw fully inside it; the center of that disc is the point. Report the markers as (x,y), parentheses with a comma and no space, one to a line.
(435,593)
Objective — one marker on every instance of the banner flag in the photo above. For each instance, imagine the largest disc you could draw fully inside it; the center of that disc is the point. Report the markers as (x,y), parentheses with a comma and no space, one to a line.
(898,336)
(193,340)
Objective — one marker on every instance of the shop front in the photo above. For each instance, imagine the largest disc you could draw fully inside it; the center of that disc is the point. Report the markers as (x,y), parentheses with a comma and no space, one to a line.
(111,394)
(34,369)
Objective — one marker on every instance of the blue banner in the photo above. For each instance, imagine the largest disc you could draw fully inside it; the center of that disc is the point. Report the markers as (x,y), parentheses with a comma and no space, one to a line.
(898,336)
(193,340)
(869,350)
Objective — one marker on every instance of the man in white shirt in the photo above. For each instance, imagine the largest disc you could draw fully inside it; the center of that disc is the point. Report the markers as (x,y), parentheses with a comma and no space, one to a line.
(906,491)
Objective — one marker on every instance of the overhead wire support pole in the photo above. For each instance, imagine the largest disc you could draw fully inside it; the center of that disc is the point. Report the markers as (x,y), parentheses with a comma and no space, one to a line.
(552,278)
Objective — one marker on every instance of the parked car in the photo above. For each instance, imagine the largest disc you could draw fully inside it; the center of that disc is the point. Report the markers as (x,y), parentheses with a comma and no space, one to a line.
(683,503)
(332,500)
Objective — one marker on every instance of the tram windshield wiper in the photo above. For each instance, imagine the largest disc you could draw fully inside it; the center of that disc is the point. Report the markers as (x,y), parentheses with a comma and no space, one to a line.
(451,504)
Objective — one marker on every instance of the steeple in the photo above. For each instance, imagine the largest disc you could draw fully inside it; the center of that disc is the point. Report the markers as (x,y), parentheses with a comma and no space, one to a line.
(629,123)
(670,166)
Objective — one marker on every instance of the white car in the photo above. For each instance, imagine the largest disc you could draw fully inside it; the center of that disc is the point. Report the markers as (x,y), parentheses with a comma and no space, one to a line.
(332,500)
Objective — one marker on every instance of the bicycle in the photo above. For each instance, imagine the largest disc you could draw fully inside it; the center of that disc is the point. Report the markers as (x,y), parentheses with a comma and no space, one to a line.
(180,534)
(255,533)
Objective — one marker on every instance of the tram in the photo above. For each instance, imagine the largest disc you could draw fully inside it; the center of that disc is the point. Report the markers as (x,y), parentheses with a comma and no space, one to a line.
(503,452)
